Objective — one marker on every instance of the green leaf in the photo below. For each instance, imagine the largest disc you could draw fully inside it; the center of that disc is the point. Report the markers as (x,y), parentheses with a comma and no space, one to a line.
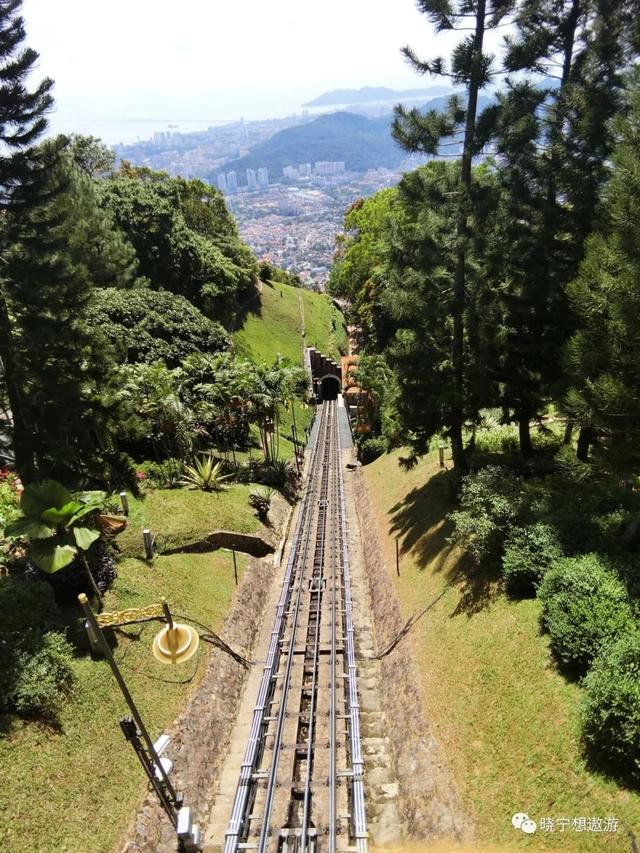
(85,537)
(50,556)
(56,516)
(81,513)
(31,527)
(37,497)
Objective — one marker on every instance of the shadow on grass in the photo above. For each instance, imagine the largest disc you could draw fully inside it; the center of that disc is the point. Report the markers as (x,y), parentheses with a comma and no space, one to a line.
(250,305)
(420,522)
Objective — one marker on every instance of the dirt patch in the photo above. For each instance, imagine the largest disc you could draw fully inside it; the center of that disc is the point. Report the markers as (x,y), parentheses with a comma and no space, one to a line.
(428,801)
(200,736)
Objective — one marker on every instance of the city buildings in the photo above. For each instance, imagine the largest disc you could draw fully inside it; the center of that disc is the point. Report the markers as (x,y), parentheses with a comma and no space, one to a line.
(222,183)
(263,177)
(232,182)
(252,181)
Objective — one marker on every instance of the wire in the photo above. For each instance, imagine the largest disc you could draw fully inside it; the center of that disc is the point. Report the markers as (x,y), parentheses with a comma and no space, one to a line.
(408,625)
(211,637)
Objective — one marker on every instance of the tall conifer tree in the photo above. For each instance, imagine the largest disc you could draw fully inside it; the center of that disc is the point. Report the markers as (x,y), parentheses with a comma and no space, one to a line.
(472,67)
(22,121)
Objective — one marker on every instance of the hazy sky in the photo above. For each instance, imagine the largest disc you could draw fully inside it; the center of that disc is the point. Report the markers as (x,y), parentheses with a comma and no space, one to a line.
(215,59)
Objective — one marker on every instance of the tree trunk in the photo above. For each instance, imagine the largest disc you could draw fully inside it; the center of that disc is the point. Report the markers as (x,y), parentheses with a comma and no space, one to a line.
(460,284)
(91,580)
(568,432)
(585,440)
(524,435)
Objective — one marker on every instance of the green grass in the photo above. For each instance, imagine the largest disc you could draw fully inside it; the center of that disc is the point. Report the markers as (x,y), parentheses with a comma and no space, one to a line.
(506,719)
(182,516)
(276,328)
(78,787)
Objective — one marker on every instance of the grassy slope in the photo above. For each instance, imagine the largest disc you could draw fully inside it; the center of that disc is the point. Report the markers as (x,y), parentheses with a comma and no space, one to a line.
(507,720)
(76,788)
(277,330)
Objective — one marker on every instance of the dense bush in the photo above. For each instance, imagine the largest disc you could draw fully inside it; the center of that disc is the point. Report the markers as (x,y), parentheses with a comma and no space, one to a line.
(528,553)
(35,661)
(587,517)
(369,449)
(148,325)
(45,677)
(161,475)
(491,501)
(611,705)
(585,608)
(8,502)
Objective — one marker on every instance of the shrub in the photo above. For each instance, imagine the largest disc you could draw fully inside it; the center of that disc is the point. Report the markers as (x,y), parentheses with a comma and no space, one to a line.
(45,677)
(8,503)
(162,475)
(585,608)
(528,553)
(369,449)
(206,474)
(490,502)
(260,499)
(35,662)
(611,705)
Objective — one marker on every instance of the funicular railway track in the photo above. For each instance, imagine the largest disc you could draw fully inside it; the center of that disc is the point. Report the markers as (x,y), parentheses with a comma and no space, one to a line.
(301,784)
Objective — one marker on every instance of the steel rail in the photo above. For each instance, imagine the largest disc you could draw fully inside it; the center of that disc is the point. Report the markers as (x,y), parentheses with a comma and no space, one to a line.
(358,812)
(318,560)
(277,745)
(333,769)
(246,783)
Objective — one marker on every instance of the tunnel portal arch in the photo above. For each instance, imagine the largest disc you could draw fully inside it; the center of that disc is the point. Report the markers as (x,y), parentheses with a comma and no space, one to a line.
(330,386)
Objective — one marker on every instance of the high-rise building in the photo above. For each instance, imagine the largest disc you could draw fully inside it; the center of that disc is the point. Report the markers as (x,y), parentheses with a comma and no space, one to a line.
(252,182)
(328,167)
(232,182)
(222,182)
(263,177)
(291,172)
(305,170)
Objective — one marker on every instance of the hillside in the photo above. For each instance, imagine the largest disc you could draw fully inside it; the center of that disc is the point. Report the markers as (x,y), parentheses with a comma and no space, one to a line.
(372,94)
(488,686)
(274,326)
(360,142)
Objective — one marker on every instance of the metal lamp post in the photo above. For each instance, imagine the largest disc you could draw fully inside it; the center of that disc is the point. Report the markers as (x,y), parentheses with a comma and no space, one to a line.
(170,639)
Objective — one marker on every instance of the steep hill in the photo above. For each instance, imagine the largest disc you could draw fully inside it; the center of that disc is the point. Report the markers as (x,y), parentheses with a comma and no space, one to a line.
(362,143)
(274,325)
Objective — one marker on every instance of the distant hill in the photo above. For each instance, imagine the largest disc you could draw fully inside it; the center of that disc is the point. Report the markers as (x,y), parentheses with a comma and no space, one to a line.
(369,94)
(362,143)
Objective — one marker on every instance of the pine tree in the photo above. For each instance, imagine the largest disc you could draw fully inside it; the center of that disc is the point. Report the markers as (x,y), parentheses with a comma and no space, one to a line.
(22,121)
(473,68)
(587,47)
(603,356)
(57,246)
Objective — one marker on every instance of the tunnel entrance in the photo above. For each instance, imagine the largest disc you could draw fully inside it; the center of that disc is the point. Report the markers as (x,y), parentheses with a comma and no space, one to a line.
(329,388)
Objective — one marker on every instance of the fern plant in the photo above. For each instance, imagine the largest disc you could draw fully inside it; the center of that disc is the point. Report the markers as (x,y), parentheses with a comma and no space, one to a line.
(205,474)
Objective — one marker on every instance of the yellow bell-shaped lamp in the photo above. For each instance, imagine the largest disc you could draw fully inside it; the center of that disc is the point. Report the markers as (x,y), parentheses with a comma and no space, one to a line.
(176,642)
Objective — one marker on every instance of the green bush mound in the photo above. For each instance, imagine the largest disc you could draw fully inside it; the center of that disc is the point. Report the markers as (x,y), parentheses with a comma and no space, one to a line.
(491,501)
(611,705)
(36,671)
(369,449)
(585,607)
(528,553)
